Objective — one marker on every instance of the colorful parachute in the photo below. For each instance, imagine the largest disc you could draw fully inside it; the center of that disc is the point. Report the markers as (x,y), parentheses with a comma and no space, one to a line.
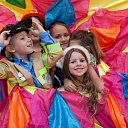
(107,19)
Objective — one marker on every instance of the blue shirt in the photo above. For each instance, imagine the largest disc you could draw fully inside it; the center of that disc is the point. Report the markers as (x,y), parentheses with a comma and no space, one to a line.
(28,67)
(47,39)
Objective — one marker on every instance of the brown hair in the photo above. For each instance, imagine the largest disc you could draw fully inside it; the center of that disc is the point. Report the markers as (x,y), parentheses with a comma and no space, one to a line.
(42,21)
(87,82)
(85,39)
(58,23)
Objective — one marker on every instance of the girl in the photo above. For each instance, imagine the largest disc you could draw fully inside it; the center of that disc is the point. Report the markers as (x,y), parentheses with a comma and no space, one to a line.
(110,78)
(60,32)
(92,98)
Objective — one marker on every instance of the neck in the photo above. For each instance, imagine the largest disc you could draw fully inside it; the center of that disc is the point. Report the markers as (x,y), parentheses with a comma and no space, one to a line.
(80,78)
(23,57)
(37,47)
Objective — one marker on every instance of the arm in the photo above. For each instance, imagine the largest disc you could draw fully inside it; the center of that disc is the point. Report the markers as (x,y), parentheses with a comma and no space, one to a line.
(53,51)
(69,86)
(4,43)
(95,79)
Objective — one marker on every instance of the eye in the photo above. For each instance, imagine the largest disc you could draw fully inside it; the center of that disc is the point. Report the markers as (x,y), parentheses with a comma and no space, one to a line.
(72,62)
(58,37)
(66,35)
(22,38)
(82,60)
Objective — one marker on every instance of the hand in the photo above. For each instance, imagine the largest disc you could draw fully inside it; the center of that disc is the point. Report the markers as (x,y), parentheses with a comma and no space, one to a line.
(36,28)
(3,38)
(69,86)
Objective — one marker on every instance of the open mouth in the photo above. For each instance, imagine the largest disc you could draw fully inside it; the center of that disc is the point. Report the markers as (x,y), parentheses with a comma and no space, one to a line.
(79,69)
(30,45)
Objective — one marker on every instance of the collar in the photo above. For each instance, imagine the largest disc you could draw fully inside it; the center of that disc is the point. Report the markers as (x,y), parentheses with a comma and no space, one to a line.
(19,60)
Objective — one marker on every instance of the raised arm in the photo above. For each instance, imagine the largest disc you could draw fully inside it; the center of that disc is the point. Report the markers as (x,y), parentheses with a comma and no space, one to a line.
(53,51)
(3,43)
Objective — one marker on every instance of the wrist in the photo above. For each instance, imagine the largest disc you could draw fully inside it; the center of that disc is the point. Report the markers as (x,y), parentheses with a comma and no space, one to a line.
(1,46)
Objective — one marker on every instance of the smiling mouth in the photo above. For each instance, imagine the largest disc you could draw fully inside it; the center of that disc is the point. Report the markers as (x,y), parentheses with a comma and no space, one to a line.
(79,69)
(64,43)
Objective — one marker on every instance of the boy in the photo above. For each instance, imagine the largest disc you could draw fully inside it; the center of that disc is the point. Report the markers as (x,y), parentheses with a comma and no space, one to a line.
(26,68)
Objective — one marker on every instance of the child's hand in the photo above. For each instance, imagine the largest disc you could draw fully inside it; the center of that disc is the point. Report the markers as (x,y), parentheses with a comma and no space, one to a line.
(69,86)
(3,38)
(36,29)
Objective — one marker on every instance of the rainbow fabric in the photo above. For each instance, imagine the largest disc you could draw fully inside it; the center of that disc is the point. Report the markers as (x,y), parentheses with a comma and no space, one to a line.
(109,21)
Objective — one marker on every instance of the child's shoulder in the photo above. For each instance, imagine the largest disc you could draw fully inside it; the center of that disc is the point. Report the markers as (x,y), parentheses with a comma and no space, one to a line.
(5,60)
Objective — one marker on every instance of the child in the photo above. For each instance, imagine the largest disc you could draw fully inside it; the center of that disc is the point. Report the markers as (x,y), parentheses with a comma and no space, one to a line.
(77,68)
(60,32)
(39,18)
(26,73)
(110,78)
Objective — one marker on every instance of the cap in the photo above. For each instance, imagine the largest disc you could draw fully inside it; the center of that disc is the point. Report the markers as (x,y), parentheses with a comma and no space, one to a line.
(33,12)
(14,29)
(23,25)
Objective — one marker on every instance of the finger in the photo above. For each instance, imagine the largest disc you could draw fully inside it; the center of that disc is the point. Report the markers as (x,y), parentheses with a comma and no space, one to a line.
(72,89)
(9,38)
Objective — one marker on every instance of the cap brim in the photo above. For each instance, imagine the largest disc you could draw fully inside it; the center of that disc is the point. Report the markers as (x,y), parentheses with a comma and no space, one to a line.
(23,25)
(42,16)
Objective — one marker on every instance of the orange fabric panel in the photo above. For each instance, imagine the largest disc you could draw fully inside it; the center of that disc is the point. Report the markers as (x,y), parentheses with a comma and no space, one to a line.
(115,112)
(1,26)
(106,37)
(19,115)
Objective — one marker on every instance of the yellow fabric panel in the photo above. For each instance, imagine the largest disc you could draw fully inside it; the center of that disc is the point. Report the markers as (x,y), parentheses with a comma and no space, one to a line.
(19,12)
(111,5)
(125,50)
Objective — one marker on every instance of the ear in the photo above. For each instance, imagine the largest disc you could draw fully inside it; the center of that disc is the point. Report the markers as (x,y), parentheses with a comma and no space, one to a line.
(10,48)
(88,48)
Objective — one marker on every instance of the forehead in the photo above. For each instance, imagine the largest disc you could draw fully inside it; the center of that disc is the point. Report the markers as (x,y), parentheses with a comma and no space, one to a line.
(58,29)
(21,33)
(76,55)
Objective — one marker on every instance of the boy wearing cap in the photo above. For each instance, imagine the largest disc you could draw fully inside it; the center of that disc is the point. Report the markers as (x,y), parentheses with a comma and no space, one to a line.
(26,68)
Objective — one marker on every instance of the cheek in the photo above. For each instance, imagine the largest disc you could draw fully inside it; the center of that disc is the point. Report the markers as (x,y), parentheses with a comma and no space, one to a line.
(86,66)
(68,38)
(71,67)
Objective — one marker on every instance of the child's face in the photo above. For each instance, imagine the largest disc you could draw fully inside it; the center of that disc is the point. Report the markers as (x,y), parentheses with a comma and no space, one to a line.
(78,65)
(61,34)
(22,44)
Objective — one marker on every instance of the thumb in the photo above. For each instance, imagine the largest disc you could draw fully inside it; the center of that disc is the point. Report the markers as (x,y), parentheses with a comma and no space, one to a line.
(9,38)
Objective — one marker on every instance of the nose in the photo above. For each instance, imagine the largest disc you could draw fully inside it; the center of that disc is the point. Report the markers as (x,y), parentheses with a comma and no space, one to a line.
(63,38)
(78,63)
